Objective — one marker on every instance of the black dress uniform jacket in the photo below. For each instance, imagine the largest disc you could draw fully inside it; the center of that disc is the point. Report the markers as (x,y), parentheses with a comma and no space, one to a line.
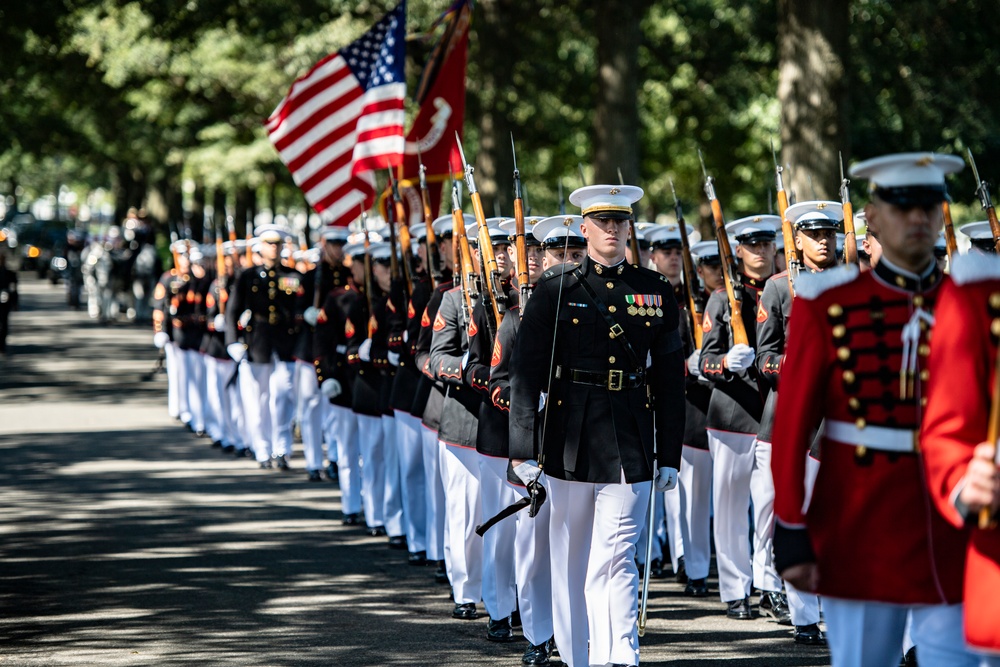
(595,432)
(492,437)
(431,416)
(330,341)
(737,400)
(698,390)
(460,412)
(213,343)
(370,392)
(163,295)
(313,294)
(410,387)
(274,297)
(187,312)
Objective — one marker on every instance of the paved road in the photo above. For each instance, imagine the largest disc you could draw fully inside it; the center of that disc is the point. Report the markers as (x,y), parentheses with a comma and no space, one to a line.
(128,541)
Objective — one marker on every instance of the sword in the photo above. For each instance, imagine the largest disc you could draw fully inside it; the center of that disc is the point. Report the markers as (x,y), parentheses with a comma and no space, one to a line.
(644,599)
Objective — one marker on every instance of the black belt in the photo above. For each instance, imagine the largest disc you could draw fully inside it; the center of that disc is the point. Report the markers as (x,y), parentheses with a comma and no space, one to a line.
(613,380)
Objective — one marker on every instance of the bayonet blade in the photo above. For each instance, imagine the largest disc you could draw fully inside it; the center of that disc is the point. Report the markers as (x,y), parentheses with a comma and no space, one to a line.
(975,171)
(513,152)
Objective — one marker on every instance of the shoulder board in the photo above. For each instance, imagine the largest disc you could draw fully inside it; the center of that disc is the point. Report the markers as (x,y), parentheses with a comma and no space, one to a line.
(812,285)
(974,267)
(557,271)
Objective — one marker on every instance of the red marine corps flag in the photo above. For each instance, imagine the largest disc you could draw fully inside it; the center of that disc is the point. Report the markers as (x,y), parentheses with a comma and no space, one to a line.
(441,96)
(344,119)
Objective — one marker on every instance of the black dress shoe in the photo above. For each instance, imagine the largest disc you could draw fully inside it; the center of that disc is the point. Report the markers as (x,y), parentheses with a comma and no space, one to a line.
(681,575)
(217,443)
(265,465)
(810,635)
(739,610)
(228,449)
(696,588)
(465,612)
(243,453)
(377,531)
(417,558)
(352,519)
(775,605)
(441,576)
(910,658)
(656,569)
(397,542)
(536,654)
(515,619)
(499,631)
(315,476)
(333,472)
(281,463)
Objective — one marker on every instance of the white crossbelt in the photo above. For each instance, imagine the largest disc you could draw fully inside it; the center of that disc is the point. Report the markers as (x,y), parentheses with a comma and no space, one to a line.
(872,437)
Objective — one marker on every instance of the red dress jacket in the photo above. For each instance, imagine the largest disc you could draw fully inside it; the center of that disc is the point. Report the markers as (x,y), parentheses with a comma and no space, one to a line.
(962,362)
(871,527)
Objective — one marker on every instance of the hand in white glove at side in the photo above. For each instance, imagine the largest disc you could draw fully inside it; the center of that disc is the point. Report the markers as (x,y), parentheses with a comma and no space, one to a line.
(740,357)
(331,388)
(666,478)
(237,351)
(406,336)
(311,315)
(219,322)
(393,358)
(693,363)
(160,339)
(528,471)
(541,401)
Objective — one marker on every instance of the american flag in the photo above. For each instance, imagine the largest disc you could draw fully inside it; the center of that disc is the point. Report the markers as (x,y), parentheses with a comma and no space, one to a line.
(344,118)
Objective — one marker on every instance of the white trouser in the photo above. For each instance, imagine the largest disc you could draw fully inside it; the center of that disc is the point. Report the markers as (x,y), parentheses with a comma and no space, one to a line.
(218,417)
(595,583)
(658,535)
(434,493)
(372,444)
(171,363)
(804,607)
(741,476)
(411,477)
(342,438)
(672,534)
(464,549)
(194,377)
(499,586)
(870,634)
(238,435)
(254,418)
(395,519)
(282,405)
(695,483)
(310,411)
(532,570)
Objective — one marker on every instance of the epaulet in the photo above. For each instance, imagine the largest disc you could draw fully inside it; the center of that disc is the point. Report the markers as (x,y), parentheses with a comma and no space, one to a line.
(811,285)
(557,271)
(974,267)
(779,276)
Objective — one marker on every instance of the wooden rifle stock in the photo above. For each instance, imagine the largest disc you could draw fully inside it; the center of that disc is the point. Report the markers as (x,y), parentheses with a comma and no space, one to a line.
(950,242)
(220,270)
(433,260)
(793,258)
(992,434)
(463,261)
(850,231)
(983,190)
(249,251)
(520,246)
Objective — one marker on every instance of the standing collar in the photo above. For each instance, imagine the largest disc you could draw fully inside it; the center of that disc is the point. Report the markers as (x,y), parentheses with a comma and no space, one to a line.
(902,279)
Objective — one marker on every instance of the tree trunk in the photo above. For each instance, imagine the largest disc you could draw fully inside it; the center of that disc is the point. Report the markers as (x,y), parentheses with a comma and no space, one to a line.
(813,93)
(242,210)
(197,222)
(218,220)
(616,117)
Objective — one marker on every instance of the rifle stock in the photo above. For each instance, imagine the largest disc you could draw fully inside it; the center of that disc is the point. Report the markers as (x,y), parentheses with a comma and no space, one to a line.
(520,245)
(793,258)
(220,270)
(433,260)
(850,231)
(983,190)
(950,242)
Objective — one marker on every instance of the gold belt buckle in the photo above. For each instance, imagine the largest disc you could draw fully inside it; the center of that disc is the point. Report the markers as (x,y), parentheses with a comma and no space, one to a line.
(615,380)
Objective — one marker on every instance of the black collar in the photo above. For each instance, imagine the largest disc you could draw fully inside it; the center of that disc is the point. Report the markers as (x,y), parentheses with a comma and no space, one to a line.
(904,280)
(753,283)
(602,270)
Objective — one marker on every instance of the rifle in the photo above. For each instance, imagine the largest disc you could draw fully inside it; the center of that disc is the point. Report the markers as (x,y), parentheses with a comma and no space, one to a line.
(950,242)
(793,259)
(983,190)
(220,270)
(433,260)
(562,200)
(992,433)
(404,236)
(463,259)
(850,233)
(173,248)
(368,275)
(633,240)
(689,279)
(249,257)
(519,243)
(729,273)
(493,288)
(231,227)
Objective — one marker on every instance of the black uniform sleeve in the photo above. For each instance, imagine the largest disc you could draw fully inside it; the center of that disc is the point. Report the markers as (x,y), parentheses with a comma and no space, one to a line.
(237,304)
(356,329)
(666,381)
(529,366)
(477,369)
(448,342)
(500,360)
(715,339)
(396,315)
(330,342)
(771,332)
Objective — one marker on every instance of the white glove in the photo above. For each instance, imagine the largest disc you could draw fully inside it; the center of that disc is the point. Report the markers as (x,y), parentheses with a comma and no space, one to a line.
(465,360)
(528,471)
(311,315)
(406,336)
(160,339)
(393,358)
(331,388)
(219,322)
(365,351)
(666,478)
(739,357)
(694,360)
(237,351)
(245,318)
(541,401)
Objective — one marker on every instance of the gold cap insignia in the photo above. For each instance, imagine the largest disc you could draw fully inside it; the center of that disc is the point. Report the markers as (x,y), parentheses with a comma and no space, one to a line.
(614,191)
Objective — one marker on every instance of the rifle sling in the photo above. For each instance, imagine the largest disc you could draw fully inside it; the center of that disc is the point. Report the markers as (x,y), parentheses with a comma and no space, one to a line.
(616,330)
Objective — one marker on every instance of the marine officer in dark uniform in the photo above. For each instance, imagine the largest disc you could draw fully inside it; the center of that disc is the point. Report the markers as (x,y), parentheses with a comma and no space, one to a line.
(262,325)
(618,371)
